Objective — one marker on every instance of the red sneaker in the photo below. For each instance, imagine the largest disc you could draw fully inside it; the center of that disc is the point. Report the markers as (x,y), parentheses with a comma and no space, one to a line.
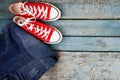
(43,11)
(46,33)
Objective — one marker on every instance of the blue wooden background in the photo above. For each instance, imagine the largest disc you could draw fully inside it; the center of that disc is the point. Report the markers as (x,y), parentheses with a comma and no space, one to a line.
(90,49)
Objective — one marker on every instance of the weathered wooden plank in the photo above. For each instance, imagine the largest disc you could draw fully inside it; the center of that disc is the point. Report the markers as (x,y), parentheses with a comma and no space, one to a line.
(89,11)
(75,9)
(88,44)
(107,2)
(85,66)
(83,27)
(88,27)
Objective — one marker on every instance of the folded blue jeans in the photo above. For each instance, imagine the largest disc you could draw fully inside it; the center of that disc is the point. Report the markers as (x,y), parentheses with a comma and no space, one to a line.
(22,56)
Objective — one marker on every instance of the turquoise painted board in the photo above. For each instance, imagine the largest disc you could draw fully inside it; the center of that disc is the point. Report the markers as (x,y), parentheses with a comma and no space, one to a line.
(104,2)
(88,44)
(88,27)
(75,9)
(83,27)
(89,11)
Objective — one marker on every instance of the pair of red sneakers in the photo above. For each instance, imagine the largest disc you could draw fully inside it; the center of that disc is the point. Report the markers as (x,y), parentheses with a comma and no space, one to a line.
(28,12)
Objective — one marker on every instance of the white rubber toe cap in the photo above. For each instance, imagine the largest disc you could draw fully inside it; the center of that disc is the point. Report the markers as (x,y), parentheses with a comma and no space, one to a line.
(55,14)
(55,37)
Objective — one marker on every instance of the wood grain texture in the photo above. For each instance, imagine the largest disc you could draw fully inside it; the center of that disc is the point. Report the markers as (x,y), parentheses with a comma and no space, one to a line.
(88,44)
(89,11)
(75,9)
(106,2)
(85,66)
(83,27)
(88,27)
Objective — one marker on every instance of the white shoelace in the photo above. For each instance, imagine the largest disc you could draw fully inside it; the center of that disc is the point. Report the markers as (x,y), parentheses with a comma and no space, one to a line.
(39,30)
(32,10)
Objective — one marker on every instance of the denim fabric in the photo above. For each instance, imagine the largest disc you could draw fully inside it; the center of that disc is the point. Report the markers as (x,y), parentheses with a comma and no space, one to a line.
(22,56)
